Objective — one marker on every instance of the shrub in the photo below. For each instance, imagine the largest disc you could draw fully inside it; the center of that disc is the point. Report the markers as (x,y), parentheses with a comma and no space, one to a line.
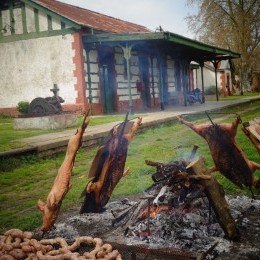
(23,107)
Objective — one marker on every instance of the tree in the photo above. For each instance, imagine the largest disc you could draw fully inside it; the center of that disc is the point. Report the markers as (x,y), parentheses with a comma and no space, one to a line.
(231,24)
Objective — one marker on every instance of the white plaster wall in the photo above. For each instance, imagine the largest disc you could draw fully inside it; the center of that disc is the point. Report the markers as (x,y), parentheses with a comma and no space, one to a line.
(209,78)
(119,69)
(94,78)
(122,83)
(56,24)
(18,24)
(93,56)
(28,69)
(30,19)
(6,21)
(43,22)
(134,60)
(134,70)
(94,68)
(171,75)
(119,58)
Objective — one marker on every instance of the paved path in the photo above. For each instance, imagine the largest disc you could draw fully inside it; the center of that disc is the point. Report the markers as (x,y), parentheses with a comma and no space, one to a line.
(52,143)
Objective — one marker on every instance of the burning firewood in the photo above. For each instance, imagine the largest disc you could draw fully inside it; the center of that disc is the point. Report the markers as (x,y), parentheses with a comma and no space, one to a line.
(228,157)
(108,166)
(184,185)
(61,185)
(252,131)
(180,188)
(176,180)
(175,177)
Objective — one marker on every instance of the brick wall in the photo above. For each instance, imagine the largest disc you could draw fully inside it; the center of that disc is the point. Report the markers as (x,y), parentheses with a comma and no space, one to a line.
(79,72)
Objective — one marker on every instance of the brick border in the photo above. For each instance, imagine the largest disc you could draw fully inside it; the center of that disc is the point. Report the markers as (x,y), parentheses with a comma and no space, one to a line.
(79,72)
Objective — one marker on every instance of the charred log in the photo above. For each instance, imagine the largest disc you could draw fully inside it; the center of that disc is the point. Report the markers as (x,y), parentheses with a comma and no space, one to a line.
(183,186)
(165,170)
(252,131)
(216,195)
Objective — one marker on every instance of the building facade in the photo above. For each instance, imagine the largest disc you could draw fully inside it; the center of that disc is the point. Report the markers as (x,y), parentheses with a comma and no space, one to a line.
(98,62)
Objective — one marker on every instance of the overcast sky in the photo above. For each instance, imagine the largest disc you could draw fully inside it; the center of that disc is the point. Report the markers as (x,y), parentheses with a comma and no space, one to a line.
(169,14)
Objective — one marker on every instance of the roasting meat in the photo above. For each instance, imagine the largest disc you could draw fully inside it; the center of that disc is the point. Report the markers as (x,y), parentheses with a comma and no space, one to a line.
(228,158)
(61,185)
(108,166)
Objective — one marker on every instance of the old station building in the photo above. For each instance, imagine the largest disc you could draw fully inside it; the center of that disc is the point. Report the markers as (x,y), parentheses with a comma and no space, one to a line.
(98,62)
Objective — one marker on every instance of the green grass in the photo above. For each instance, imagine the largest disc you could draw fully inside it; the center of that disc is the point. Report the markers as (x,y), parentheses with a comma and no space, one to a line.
(10,138)
(26,179)
(235,96)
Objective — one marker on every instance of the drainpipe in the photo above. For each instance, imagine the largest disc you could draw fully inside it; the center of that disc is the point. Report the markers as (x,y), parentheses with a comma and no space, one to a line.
(202,81)
(127,55)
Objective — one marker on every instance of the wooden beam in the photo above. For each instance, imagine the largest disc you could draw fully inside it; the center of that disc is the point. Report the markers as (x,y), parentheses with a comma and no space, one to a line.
(216,196)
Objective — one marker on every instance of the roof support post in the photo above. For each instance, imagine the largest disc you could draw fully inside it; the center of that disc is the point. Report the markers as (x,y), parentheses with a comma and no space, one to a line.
(161,84)
(215,63)
(189,78)
(89,80)
(185,75)
(152,75)
(127,55)
(196,73)
(201,63)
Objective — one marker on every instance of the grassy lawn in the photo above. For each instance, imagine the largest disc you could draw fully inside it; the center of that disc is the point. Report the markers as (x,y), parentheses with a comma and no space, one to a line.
(236,96)
(27,179)
(10,137)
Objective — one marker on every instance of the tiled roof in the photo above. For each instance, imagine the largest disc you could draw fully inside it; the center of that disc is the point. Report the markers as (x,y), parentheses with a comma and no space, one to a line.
(90,18)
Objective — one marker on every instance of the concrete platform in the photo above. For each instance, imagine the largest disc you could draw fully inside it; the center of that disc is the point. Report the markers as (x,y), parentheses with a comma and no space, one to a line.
(59,121)
(49,144)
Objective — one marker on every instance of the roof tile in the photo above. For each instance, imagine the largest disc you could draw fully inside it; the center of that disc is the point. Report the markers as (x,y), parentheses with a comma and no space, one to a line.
(90,18)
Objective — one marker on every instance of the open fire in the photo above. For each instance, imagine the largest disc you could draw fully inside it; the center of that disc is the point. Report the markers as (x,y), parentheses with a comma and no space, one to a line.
(182,233)
(184,211)
(185,214)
